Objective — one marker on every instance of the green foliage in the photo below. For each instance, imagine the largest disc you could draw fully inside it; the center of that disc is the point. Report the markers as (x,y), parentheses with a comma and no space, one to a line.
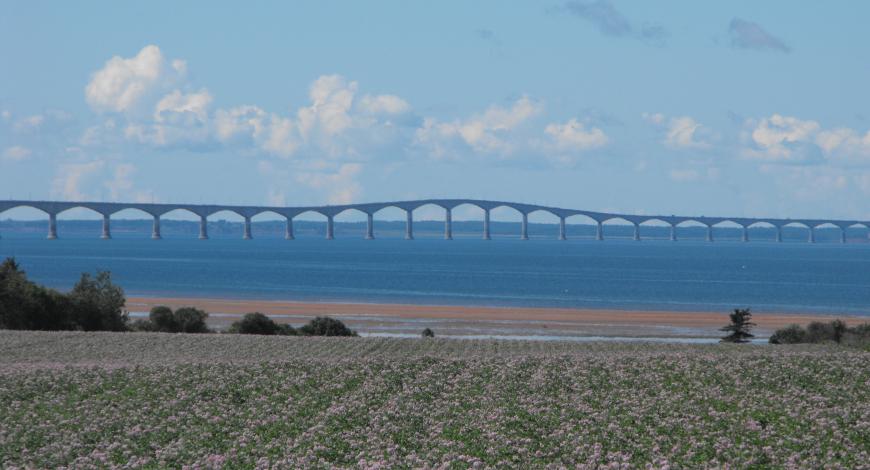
(191,320)
(162,319)
(98,304)
(824,332)
(791,334)
(741,324)
(427,333)
(93,304)
(326,326)
(257,323)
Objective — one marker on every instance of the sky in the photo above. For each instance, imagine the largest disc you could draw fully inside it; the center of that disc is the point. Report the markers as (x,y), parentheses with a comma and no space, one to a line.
(739,108)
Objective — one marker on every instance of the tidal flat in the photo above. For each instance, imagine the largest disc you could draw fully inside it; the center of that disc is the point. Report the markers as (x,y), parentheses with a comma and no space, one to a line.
(129,400)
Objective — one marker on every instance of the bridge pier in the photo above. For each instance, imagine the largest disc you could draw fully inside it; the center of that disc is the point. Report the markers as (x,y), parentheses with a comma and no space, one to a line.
(409,224)
(562,235)
(448,224)
(636,232)
(778,234)
(203,227)
(155,228)
(486,234)
(52,226)
(673,232)
(524,229)
(599,231)
(812,235)
(107,232)
(288,229)
(370,229)
(842,234)
(709,233)
(330,228)
(745,233)
(247,234)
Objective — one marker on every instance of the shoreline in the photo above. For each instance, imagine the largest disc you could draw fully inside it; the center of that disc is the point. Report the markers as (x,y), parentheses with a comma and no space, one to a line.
(389,318)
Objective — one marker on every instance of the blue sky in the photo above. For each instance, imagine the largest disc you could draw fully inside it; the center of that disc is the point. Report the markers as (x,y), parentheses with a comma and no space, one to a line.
(733,108)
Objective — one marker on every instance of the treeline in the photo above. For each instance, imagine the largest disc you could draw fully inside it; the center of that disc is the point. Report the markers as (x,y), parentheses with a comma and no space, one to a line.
(835,331)
(96,304)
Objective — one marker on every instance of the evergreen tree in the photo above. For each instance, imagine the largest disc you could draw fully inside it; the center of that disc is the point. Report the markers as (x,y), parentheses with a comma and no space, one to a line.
(741,323)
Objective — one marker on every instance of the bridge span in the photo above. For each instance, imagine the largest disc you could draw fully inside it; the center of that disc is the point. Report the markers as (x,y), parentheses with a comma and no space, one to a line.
(106,209)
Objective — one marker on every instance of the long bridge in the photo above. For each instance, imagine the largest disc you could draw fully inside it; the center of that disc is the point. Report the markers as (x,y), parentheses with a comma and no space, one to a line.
(106,209)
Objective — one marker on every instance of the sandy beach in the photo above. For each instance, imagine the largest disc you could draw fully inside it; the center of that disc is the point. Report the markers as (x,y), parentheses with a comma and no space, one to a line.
(475,320)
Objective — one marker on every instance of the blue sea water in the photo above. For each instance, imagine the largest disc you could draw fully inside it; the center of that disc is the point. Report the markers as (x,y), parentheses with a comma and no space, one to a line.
(620,274)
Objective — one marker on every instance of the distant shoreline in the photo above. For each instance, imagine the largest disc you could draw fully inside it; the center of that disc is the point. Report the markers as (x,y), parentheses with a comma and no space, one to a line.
(464,320)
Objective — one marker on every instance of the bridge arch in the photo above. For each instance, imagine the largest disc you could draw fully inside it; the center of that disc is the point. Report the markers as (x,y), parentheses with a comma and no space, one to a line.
(735,229)
(612,226)
(824,228)
(765,229)
(580,225)
(541,217)
(19,207)
(655,228)
(694,228)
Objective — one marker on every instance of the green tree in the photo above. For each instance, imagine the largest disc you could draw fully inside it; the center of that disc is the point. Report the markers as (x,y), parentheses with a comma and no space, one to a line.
(191,320)
(255,324)
(741,324)
(326,326)
(163,319)
(98,304)
(427,333)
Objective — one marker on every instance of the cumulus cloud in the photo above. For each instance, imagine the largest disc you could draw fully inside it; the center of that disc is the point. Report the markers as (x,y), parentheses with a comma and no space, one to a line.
(16,153)
(123,83)
(574,136)
(609,21)
(486,133)
(340,186)
(179,119)
(845,144)
(682,132)
(71,177)
(784,139)
(749,35)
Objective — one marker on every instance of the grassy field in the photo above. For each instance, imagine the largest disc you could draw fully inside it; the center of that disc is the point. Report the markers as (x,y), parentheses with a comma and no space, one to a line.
(87,400)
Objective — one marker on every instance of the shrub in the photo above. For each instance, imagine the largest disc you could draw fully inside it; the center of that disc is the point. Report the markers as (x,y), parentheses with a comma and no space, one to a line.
(428,333)
(98,304)
(326,326)
(163,319)
(258,324)
(191,320)
(142,324)
(791,334)
(739,328)
(25,305)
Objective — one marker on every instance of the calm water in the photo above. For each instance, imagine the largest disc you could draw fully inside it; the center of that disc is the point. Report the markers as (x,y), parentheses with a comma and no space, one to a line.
(792,277)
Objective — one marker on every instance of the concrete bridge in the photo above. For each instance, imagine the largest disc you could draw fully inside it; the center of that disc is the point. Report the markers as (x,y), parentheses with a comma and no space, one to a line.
(106,209)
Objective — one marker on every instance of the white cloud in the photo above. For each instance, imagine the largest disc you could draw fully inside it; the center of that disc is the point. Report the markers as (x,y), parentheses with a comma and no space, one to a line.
(682,132)
(123,83)
(16,153)
(340,186)
(783,138)
(179,119)
(573,136)
(121,185)
(487,133)
(383,104)
(845,144)
(70,178)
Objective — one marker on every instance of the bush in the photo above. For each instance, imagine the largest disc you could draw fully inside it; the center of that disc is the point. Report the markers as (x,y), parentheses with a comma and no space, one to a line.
(25,305)
(326,326)
(191,320)
(791,334)
(258,324)
(142,324)
(428,333)
(183,320)
(97,304)
(162,319)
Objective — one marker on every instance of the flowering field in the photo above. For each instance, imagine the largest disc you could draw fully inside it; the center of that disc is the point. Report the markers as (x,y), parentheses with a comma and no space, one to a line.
(209,401)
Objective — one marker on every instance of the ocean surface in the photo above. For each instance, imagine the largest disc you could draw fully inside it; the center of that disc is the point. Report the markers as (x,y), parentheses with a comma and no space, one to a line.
(620,274)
